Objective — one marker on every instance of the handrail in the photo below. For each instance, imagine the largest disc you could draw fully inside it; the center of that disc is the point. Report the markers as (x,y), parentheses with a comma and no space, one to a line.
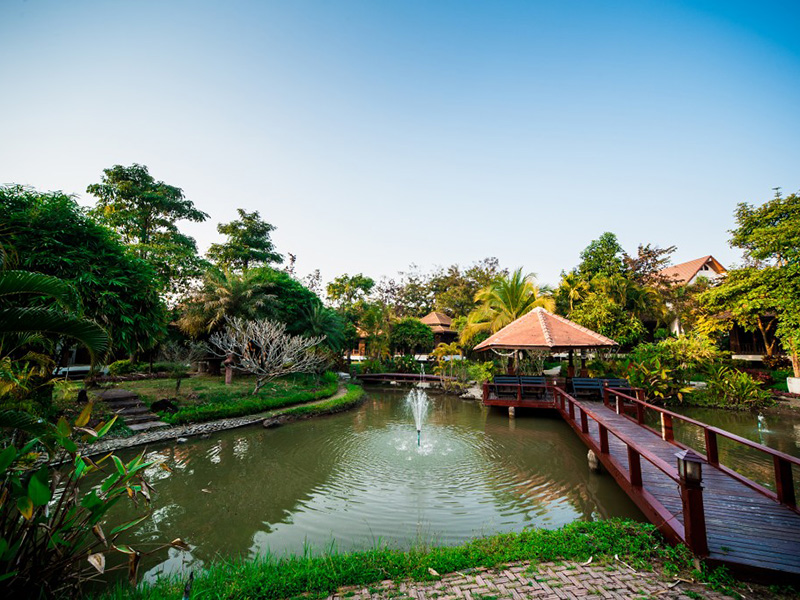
(659,463)
(782,462)
(717,430)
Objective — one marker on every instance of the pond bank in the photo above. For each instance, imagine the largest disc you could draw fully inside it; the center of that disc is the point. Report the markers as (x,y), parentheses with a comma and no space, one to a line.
(346,396)
(611,559)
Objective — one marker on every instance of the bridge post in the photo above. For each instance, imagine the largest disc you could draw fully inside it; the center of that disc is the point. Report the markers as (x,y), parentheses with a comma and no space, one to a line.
(694,518)
(485,391)
(606,400)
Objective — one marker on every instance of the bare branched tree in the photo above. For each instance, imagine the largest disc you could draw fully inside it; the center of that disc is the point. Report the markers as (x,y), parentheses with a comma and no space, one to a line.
(264,349)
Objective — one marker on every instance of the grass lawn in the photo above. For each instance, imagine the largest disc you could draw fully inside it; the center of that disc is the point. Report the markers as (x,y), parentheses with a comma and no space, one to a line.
(206,397)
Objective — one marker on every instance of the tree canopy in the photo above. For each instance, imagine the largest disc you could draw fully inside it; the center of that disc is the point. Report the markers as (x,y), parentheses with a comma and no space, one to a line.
(248,244)
(410,336)
(51,234)
(145,213)
(603,256)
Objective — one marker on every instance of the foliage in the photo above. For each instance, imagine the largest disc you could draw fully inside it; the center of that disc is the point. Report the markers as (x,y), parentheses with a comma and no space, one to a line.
(775,362)
(376,323)
(224,294)
(51,520)
(454,290)
(646,267)
(411,336)
(292,300)
(371,366)
(402,364)
(322,321)
(660,382)
(346,290)
(177,358)
(769,284)
(601,313)
(50,234)
(684,354)
(248,243)
(264,349)
(218,401)
(603,256)
(125,367)
(273,577)
(458,372)
(504,301)
(145,212)
(731,388)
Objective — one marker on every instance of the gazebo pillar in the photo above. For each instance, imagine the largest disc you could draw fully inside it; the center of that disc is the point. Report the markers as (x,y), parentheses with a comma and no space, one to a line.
(571,367)
(584,370)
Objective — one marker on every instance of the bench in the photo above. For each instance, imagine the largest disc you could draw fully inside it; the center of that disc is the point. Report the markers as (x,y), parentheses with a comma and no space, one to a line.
(505,386)
(533,387)
(587,386)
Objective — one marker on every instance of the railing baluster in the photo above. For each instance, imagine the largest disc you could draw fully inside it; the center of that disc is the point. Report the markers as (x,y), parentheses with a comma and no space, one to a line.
(784,483)
(635,467)
(666,427)
(606,400)
(571,409)
(619,404)
(584,422)
(640,413)
(603,437)
(712,451)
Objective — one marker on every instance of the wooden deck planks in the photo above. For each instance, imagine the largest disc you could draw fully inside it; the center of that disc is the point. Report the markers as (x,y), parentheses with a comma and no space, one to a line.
(745,528)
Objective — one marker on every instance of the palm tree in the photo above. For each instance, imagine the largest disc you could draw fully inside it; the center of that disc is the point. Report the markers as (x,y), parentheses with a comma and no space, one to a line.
(574,288)
(224,294)
(20,325)
(321,321)
(505,301)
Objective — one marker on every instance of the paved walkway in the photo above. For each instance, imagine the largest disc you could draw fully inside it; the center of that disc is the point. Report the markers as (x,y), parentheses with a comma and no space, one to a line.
(544,580)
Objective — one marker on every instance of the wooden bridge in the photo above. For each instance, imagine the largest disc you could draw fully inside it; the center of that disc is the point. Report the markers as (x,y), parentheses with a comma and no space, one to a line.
(718,513)
(400,378)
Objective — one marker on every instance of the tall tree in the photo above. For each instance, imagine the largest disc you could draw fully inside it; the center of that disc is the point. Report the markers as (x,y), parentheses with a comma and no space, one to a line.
(504,301)
(51,234)
(145,212)
(768,284)
(603,256)
(248,243)
(346,290)
(454,289)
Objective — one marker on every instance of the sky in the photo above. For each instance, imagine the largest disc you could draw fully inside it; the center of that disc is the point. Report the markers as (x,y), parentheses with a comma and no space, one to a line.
(376,134)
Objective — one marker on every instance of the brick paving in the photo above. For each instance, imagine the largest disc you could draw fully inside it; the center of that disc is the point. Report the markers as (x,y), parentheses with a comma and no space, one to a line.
(544,580)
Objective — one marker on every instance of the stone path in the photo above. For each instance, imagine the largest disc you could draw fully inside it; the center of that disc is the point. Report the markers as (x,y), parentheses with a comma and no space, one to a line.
(544,580)
(129,407)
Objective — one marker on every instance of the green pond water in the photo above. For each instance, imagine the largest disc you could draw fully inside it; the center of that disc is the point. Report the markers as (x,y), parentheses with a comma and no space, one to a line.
(359,479)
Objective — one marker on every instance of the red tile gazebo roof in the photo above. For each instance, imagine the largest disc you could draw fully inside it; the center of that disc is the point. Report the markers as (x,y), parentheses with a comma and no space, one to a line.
(540,329)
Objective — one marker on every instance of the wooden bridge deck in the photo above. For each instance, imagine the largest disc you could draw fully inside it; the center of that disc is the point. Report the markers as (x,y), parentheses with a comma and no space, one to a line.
(748,528)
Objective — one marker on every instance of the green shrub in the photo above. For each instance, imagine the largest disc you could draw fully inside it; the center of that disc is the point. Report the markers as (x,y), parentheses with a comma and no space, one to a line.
(372,366)
(125,367)
(730,388)
(774,363)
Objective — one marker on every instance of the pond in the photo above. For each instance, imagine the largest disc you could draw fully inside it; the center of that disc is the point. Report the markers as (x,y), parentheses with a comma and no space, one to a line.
(359,479)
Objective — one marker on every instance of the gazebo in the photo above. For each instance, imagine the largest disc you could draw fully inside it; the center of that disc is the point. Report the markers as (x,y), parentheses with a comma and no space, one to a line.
(542,330)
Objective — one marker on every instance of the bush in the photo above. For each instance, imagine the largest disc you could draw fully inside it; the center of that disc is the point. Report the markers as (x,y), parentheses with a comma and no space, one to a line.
(729,388)
(125,367)
(371,366)
(774,363)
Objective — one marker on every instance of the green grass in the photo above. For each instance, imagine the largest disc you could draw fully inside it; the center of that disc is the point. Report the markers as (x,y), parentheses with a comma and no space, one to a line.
(272,578)
(206,398)
(350,398)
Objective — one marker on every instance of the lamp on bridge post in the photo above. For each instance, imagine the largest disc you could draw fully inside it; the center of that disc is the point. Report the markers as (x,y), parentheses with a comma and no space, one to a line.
(690,473)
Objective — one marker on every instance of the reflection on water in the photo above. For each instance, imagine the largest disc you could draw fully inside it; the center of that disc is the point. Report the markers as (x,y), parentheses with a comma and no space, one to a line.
(777,429)
(358,479)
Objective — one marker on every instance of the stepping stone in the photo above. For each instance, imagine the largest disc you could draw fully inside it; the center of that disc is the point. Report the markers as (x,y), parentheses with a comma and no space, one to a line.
(147,425)
(130,409)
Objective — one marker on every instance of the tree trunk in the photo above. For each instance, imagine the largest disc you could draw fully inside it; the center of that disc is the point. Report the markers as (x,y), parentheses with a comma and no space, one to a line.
(764,329)
(795,360)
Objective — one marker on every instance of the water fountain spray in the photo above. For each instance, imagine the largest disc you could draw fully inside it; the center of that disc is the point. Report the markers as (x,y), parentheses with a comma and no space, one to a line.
(417,401)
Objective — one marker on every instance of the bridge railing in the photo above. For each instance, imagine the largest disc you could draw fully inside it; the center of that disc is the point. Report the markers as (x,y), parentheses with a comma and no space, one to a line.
(693,530)
(783,463)
(520,392)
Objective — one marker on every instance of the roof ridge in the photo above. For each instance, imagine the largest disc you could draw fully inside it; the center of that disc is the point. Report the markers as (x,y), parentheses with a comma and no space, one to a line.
(543,323)
(598,336)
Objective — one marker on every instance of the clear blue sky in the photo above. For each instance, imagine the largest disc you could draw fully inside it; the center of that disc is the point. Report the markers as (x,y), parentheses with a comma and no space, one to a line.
(375,134)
